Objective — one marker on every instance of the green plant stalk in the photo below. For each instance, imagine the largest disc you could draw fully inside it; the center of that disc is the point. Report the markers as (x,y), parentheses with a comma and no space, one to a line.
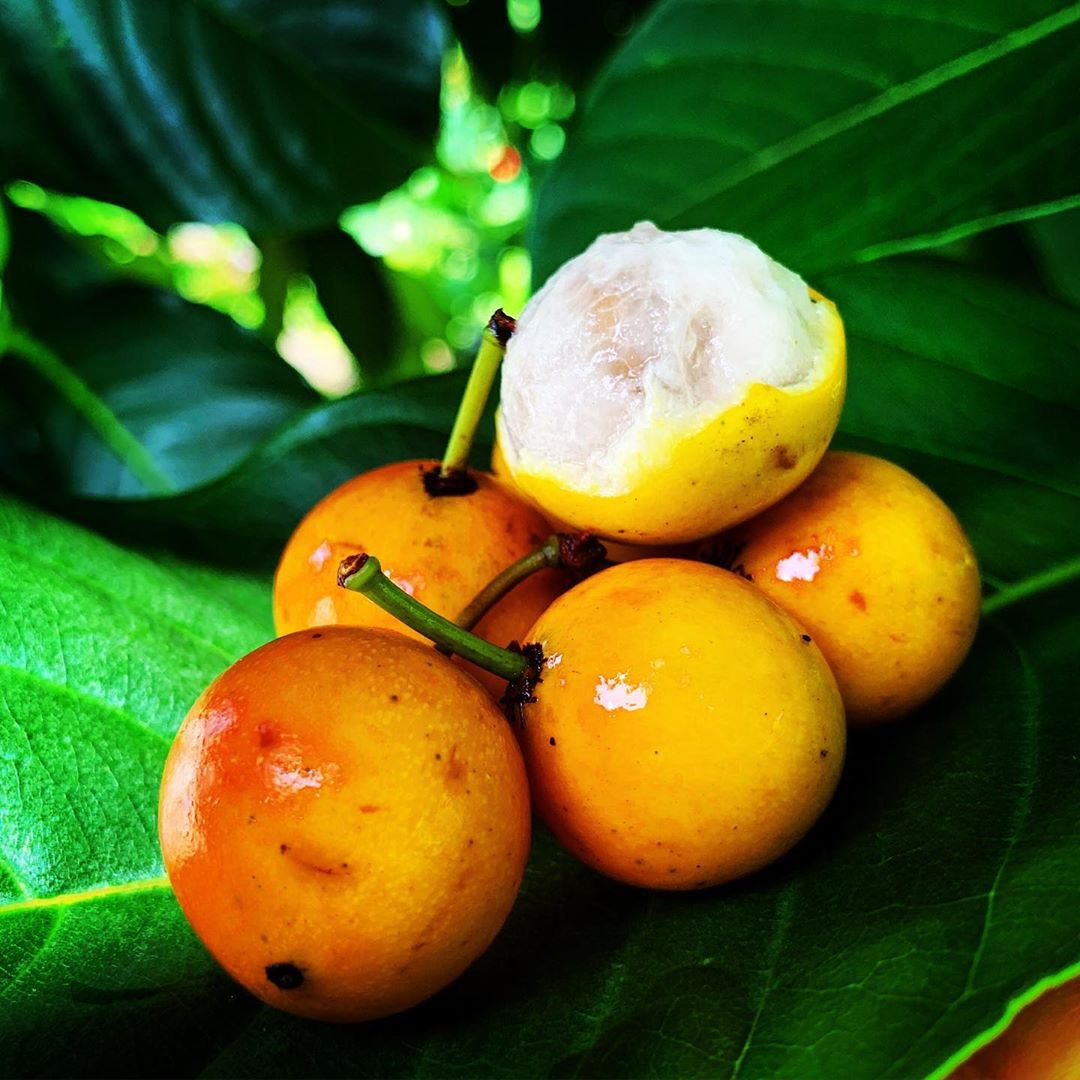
(364,574)
(90,407)
(477,391)
(547,555)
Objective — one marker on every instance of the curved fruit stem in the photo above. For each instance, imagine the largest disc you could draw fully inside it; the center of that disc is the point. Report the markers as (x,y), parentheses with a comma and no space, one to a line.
(579,553)
(452,476)
(364,574)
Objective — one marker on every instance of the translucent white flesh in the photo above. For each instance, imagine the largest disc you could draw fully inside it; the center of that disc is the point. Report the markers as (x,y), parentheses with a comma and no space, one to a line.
(649,329)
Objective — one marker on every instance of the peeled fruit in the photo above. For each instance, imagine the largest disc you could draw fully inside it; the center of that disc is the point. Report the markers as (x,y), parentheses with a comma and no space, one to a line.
(344,818)
(664,386)
(878,570)
(685,732)
(442,549)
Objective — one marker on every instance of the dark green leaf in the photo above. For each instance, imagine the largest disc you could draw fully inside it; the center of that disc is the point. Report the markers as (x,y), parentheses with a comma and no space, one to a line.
(353,291)
(274,113)
(975,386)
(247,515)
(1057,246)
(829,132)
(193,388)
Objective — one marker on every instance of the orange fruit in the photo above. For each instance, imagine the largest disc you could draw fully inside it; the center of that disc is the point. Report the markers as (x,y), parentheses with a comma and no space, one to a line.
(344,818)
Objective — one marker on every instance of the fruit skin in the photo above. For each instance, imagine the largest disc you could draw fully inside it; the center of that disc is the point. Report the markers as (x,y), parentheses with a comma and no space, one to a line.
(348,802)
(881,574)
(695,483)
(684,733)
(1041,1043)
(443,550)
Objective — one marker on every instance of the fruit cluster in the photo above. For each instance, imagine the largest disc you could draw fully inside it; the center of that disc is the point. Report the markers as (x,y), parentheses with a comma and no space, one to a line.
(345,813)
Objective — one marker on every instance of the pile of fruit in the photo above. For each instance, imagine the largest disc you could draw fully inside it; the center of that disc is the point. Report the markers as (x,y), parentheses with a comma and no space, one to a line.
(345,813)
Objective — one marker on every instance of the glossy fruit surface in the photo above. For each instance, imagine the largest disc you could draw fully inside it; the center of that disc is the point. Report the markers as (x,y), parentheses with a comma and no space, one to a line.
(878,570)
(441,549)
(344,817)
(664,386)
(685,732)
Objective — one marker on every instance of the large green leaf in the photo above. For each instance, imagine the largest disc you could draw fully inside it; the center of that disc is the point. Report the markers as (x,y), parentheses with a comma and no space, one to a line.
(101,653)
(274,113)
(830,131)
(942,882)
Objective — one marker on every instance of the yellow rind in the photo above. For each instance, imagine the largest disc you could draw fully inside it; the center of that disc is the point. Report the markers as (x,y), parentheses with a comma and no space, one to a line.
(686,487)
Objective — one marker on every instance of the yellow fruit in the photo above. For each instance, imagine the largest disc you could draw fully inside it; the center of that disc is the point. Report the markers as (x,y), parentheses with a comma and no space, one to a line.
(664,386)
(344,817)
(685,731)
(878,570)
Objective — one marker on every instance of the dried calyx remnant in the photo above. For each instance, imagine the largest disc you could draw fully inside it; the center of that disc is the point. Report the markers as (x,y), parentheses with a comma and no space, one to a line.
(452,476)
(285,976)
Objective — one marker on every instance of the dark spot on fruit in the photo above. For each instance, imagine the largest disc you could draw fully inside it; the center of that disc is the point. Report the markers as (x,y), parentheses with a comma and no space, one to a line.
(807,639)
(438,757)
(672,870)
(367,808)
(858,600)
(455,769)
(420,945)
(639,862)
(783,458)
(267,735)
(316,636)
(824,753)
(283,848)
(393,697)
(551,741)
(251,819)
(286,976)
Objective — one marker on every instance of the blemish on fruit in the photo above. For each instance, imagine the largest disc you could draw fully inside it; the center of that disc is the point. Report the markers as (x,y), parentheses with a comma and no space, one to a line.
(369,809)
(267,735)
(551,741)
(824,753)
(783,458)
(807,638)
(285,976)
(858,599)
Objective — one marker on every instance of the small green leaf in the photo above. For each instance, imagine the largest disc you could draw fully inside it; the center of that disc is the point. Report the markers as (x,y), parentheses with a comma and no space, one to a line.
(829,133)
(277,114)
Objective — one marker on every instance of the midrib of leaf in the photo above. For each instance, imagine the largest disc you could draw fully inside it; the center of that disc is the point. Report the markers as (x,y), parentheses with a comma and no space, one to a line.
(1044,581)
(85,896)
(91,407)
(963,230)
(769,157)
(784,913)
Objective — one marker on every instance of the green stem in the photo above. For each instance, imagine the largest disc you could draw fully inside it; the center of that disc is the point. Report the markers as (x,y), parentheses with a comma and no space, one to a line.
(91,408)
(543,557)
(481,378)
(364,574)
